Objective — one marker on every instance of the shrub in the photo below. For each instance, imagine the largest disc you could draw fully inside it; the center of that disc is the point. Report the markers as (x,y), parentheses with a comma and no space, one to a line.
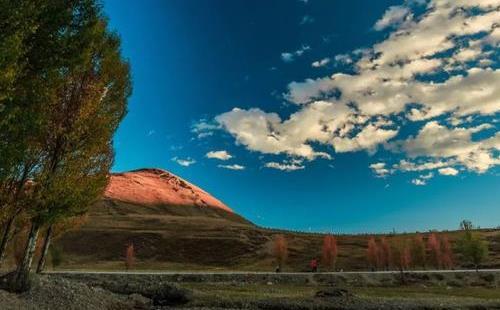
(446,253)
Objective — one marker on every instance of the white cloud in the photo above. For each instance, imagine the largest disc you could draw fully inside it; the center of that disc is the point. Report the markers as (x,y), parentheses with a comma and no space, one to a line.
(204,128)
(184,162)
(419,182)
(434,65)
(438,141)
(448,171)
(284,166)
(221,155)
(380,169)
(393,16)
(290,56)
(320,63)
(232,167)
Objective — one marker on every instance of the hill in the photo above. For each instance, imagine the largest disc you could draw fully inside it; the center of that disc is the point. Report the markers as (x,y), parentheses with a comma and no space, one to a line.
(175,225)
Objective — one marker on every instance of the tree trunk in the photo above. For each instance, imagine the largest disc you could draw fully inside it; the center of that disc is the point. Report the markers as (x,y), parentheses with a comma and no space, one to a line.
(5,238)
(21,281)
(45,249)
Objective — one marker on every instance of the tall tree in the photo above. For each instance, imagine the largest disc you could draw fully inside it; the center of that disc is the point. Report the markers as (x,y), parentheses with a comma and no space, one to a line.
(75,145)
(434,248)
(329,251)
(417,250)
(471,247)
(372,254)
(280,250)
(446,252)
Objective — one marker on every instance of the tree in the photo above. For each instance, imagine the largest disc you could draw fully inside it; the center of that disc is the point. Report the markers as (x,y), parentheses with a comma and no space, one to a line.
(434,249)
(446,253)
(385,253)
(417,250)
(372,254)
(401,254)
(329,251)
(472,248)
(129,256)
(466,225)
(280,250)
(74,147)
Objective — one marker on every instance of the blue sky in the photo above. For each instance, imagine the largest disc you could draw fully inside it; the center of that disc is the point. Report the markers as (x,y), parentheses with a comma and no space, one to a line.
(344,116)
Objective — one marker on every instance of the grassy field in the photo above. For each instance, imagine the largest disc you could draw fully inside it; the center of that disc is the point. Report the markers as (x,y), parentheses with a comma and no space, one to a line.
(296,296)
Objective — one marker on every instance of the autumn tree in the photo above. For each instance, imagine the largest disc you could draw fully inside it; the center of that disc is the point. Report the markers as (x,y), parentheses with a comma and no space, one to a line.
(329,251)
(280,250)
(446,253)
(401,255)
(434,248)
(472,248)
(372,254)
(129,256)
(88,94)
(385,253)
(28,57)
(417,250)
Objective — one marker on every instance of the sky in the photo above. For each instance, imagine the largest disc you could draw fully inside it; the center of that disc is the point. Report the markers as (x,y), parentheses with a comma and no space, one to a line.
(314,115)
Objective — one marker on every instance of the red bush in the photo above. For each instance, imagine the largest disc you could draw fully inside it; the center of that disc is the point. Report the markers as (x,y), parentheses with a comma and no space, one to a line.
(417,250)
(434,247)
(329,251)
(372,254)
(280,249)
(446,253)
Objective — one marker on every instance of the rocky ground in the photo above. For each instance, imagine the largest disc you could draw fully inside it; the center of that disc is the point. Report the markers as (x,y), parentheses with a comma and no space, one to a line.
(51,292)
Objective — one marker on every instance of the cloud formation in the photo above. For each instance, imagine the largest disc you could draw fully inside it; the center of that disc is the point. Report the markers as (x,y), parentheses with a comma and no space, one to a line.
(290,56)
(437,71)
(221,155)
(184,162)
(232,167)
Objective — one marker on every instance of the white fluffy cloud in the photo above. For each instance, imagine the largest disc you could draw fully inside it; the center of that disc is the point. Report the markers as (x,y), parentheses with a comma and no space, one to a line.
(284,166)
(393,16)
(440,64)
(321,63)
(184,162)
(290,56)
(232,167)
(448,171)
(221,155)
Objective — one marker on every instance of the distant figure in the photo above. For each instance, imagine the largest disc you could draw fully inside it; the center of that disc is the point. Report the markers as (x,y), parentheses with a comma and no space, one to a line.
(278,269)
(314,265)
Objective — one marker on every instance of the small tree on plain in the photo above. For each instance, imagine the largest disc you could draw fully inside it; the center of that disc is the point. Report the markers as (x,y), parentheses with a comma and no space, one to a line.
(434,248)
(446,253)
(417,250)
(473,249)
(329,251)
(372,254)
(401,254)
(280,250)
(129,256)
(385,253)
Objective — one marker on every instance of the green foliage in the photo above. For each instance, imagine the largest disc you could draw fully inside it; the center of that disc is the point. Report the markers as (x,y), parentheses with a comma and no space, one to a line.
(471,247)
(63,91)
(56,256)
